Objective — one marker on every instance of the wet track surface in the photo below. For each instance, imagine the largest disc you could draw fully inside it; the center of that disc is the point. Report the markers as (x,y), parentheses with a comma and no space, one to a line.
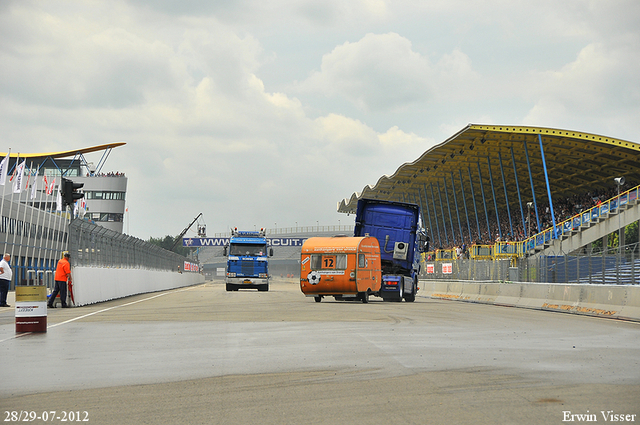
(204,355)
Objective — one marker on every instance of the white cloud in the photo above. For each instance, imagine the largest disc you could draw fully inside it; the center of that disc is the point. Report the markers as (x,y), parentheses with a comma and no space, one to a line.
(602,84)
(383,73)
(377,72)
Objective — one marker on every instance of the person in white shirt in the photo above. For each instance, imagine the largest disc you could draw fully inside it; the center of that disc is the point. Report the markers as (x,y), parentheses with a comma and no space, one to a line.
(5,279)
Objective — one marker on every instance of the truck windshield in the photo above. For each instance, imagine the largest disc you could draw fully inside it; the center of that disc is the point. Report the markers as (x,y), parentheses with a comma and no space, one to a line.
(248,249)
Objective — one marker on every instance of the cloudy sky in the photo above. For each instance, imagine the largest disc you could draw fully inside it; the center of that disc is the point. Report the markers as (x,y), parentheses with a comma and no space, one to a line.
(268,113)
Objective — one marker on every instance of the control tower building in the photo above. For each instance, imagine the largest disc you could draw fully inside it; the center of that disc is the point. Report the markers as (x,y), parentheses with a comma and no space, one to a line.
(104,190)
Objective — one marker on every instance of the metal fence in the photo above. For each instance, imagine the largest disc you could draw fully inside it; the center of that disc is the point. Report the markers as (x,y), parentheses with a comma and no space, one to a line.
(620,266)
(605,266)
(95,246)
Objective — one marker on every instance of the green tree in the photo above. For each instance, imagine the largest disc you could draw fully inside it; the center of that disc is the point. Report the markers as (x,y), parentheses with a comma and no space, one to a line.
(631,233)
(167,242)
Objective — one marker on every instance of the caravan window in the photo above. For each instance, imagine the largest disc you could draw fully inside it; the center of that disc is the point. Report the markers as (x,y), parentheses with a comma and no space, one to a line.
(328,261)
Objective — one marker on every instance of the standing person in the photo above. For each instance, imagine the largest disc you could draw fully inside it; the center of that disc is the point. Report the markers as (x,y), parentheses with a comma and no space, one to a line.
(5,279)
(63,274)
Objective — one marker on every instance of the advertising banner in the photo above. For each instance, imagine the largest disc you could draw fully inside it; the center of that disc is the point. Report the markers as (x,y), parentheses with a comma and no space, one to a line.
(198,242)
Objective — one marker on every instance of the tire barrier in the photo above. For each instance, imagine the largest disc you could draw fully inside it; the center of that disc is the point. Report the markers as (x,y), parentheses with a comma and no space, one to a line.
(612,301)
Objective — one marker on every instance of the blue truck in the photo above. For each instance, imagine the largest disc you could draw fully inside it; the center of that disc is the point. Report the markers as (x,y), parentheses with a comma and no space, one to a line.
(247,260)
(398,228)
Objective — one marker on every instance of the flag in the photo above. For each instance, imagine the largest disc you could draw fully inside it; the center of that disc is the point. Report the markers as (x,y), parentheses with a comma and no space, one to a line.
(4,167)
(50,188)
(19,178)
(58,199)
(46,186)
(34,186)
(83,207)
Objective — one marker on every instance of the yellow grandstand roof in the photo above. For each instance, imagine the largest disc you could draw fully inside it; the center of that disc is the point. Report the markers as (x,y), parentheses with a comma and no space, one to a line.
(576,163)
(65,154)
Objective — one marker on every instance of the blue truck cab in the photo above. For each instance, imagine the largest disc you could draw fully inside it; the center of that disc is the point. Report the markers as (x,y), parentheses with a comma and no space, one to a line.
(399,231)
(247,260)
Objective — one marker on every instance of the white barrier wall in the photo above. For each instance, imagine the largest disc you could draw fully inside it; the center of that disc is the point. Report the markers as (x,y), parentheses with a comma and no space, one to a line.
(616,301)
(95,284)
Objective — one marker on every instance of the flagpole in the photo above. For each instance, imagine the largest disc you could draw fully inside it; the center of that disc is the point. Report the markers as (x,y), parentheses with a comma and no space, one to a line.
(47,227)
(5,167)
(25,229)
(34,188)
(61,219)
(11,203)
(35,237)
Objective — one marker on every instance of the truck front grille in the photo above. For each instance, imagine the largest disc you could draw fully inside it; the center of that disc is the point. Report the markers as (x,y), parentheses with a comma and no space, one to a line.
(247,268)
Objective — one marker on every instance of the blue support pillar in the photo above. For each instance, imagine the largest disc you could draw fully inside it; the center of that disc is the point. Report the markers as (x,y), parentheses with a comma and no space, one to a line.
(533,191)
(444,222)
(455,202)
(495,202)
(506,196)
(484,202)
(419,203)
(546,178)
(446,193)
(475,207)
(515,173)
(466,212)
(435,214)
(426,206)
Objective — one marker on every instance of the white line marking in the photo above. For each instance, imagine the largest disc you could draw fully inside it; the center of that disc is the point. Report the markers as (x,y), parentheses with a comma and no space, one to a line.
(102,311)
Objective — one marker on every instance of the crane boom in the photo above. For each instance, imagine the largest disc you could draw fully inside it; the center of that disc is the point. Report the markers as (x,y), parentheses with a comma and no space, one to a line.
(184,231)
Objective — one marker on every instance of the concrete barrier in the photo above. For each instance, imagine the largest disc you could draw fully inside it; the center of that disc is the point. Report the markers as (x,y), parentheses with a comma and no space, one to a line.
(563,297)
(605,300)
(97,284)
(533,295)
(509,294)
(438,290)
(614,301)
(631,308)
(488,292)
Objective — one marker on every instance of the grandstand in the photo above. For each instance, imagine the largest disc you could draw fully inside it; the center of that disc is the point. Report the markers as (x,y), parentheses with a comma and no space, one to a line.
(519,195)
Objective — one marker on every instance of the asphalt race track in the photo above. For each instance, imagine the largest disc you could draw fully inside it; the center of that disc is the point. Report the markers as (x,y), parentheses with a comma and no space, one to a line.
(201,355)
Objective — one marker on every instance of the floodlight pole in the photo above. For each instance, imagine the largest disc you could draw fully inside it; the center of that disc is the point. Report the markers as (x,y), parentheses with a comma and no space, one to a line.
(529,218)
(619,182)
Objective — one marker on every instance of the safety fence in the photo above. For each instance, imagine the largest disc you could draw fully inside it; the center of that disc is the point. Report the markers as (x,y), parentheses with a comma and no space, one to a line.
(615,265)
(95,246)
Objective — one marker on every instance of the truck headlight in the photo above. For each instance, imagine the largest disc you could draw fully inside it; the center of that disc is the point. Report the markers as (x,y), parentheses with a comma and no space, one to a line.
(231,275)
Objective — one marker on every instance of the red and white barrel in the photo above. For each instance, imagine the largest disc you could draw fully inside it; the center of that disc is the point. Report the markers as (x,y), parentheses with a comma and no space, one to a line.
(31,309)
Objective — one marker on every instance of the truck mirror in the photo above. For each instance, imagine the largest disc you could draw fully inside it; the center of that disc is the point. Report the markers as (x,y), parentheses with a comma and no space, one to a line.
(270,252)
(224,251)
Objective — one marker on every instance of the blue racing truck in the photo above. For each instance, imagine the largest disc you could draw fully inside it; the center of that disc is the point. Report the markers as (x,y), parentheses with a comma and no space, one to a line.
(247,260)
(399,231)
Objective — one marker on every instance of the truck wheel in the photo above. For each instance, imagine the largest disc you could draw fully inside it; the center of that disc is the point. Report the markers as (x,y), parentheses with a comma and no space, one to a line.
(318,299)
(231,287)
(263,288)
(412,296)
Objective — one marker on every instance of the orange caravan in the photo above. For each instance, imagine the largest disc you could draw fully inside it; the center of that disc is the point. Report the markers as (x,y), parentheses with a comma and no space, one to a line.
(340,266)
